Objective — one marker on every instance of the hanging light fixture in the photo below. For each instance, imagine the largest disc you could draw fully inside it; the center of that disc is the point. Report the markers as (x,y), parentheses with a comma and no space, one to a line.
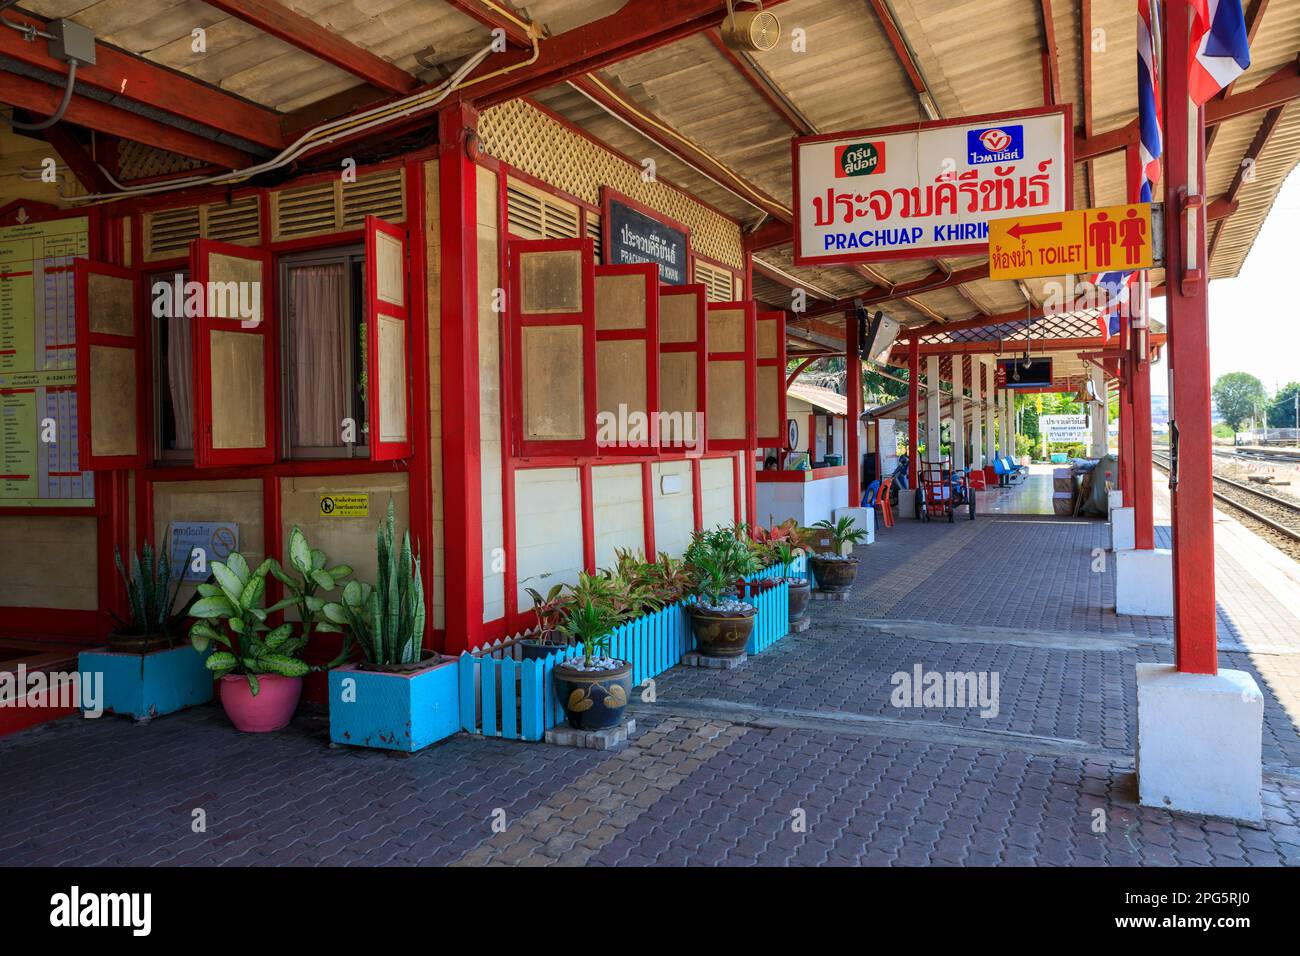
(755,31)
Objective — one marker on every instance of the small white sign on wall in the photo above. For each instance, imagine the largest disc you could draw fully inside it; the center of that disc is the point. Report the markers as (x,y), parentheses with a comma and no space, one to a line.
(670,484)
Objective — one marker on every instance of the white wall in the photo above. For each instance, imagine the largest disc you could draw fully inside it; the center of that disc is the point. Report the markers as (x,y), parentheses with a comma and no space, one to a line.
(548,528)
(675,511)
(716,492)
(489,405)
(616,511)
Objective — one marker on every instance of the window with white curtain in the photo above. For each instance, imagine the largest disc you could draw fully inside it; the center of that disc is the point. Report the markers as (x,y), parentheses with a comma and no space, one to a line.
(173,360)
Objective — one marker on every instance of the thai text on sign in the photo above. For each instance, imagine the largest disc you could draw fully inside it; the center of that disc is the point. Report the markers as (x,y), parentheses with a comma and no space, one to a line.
(907,192)
(1067,243)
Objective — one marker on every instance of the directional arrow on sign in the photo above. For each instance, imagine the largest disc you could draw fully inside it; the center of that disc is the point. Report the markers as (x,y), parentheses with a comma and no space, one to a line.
(1020,230)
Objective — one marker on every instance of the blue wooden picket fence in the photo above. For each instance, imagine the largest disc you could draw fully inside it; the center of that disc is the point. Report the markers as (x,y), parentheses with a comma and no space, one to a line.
(502,696)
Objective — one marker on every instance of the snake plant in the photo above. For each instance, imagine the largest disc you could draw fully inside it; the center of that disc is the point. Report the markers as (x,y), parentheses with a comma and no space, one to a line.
(147,592)
(388,619)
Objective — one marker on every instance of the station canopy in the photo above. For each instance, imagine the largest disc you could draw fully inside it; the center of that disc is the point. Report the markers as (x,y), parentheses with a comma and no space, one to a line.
(659,82)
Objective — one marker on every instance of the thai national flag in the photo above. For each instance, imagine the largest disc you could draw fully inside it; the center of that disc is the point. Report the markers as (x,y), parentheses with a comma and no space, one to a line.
(1149,145)
(1115,291)
(1220,48)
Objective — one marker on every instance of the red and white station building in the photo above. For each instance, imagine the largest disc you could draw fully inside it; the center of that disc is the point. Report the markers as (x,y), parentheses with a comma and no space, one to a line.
(441,208)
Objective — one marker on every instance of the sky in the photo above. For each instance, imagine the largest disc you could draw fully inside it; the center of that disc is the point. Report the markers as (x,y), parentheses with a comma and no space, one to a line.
(1255,318)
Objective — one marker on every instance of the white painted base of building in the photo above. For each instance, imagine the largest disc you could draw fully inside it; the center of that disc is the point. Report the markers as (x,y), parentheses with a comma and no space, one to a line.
(1123,529)
(1198,742)
(1114,499)
(1144,583)
(906,503)
(864,519)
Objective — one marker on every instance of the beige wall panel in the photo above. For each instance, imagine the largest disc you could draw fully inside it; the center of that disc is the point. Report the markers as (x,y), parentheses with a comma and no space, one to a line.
(553,368)
(48,562)
(765,342)
(620,375)
(548,522)
(677,318)
(234,288)
(717,497)
(726,330)
(113,381)
(678,397)
(489,389)
(726,410)
(674,513)
(616,508)
(390,272)
(620,302)
(392,376)
(185,501)
(767,405)
(238,373)
(433,299)
(345,540)
(550,282)
(112,304)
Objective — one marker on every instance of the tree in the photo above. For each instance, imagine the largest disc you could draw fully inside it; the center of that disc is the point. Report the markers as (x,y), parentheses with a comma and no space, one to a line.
(1029,422)
(1281,414)
(1237,395)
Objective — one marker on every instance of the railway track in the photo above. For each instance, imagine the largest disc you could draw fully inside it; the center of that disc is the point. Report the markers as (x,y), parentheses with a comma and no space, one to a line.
(1279,516)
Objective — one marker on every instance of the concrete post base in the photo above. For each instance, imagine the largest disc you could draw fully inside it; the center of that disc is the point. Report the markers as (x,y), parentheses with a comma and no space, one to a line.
(1114,499)
(1198,742)
(906,503)
(864,519)
(1123,530)
(1144,582)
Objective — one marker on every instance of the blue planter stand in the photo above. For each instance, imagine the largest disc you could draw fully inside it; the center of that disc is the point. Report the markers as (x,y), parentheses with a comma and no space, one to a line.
(162,682)
(394,711)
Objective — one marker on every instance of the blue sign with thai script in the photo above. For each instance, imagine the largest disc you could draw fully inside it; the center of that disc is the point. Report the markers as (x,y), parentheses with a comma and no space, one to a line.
(636,237)
(995,144)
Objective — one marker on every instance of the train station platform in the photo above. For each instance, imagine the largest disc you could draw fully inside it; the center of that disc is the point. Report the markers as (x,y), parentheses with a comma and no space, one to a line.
(1037,769)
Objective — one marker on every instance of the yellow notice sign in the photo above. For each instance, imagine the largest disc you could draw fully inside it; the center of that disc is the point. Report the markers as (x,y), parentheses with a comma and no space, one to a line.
(1071,243)
(345,506)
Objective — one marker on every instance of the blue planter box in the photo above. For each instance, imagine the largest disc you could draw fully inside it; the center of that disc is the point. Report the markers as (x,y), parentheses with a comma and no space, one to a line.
(393,711)
(161,682)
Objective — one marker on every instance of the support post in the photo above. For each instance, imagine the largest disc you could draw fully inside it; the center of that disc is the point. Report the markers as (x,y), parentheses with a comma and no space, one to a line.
(1125,430)
(1140,374)
(461,470)
(976,413)
(990,410)
(913,411)
(958,415)
(853,453)
(1099,414)
(933,402)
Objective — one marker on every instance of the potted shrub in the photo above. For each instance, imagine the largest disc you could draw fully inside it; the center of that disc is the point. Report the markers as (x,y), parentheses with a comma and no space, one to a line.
(836,571)
(144,672)
(594,687)
(547,639)
(260,668)
(720,621)
(400,696)
(800,590)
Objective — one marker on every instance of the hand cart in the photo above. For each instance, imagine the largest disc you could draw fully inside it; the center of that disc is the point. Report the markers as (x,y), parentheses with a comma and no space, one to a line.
(942,492)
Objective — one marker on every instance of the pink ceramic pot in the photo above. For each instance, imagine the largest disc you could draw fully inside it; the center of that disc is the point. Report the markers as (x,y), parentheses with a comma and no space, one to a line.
(271,709)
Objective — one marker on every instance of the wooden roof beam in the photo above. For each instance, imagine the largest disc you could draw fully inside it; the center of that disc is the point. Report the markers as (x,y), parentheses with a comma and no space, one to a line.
(1254,17)
(1245,169)
(515,27)
(1051,69)
(906,58)
(321,42)
(783,278)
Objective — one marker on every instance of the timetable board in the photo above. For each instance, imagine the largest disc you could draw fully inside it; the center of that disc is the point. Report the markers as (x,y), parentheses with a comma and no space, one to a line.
(38,373)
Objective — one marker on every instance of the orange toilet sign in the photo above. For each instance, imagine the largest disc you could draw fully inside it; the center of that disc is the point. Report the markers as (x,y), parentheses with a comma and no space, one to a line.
(1071,242)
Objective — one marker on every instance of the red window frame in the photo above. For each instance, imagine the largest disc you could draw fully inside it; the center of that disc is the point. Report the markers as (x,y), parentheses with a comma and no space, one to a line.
(650,335)
(779,361)
(85,338)
(700,347)
(748,357)
(205,456)
(381,450)
(586,318)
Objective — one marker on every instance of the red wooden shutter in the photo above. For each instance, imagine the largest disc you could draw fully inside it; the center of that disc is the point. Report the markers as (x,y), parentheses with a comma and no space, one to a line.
(732,385)
(627,357)
(388,310)
(112,367)
(770,398)
(683,366)
(553,346)
(234,357)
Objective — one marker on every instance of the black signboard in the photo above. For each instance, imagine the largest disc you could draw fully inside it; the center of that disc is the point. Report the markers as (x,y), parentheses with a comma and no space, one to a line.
(633,236)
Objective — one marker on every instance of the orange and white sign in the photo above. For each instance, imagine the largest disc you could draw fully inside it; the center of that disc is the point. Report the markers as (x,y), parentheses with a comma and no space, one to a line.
(1072,242)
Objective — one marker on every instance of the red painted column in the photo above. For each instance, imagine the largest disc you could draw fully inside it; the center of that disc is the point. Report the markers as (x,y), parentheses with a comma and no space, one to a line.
(1140,391)
(1125,430)
(853,454)
(1187,308)
(913,394)
(462,491)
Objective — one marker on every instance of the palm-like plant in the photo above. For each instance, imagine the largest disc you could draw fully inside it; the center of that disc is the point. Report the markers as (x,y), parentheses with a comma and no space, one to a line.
(841,532)
(589,622)
(149,601)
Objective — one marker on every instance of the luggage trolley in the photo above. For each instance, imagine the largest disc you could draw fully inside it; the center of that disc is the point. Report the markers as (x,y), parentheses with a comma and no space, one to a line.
(942,492)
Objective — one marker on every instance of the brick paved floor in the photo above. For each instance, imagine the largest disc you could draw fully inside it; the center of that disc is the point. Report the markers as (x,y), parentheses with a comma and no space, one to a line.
(797,758)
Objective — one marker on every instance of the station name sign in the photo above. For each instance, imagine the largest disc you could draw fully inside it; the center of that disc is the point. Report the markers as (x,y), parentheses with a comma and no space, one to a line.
(914,191)
(633,235)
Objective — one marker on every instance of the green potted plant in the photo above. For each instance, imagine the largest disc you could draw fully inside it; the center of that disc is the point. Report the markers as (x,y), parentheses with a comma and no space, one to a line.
(547,639)
(594,687)
(837,571)
(721,622)
(144,673)
(800,590)
(406,694)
